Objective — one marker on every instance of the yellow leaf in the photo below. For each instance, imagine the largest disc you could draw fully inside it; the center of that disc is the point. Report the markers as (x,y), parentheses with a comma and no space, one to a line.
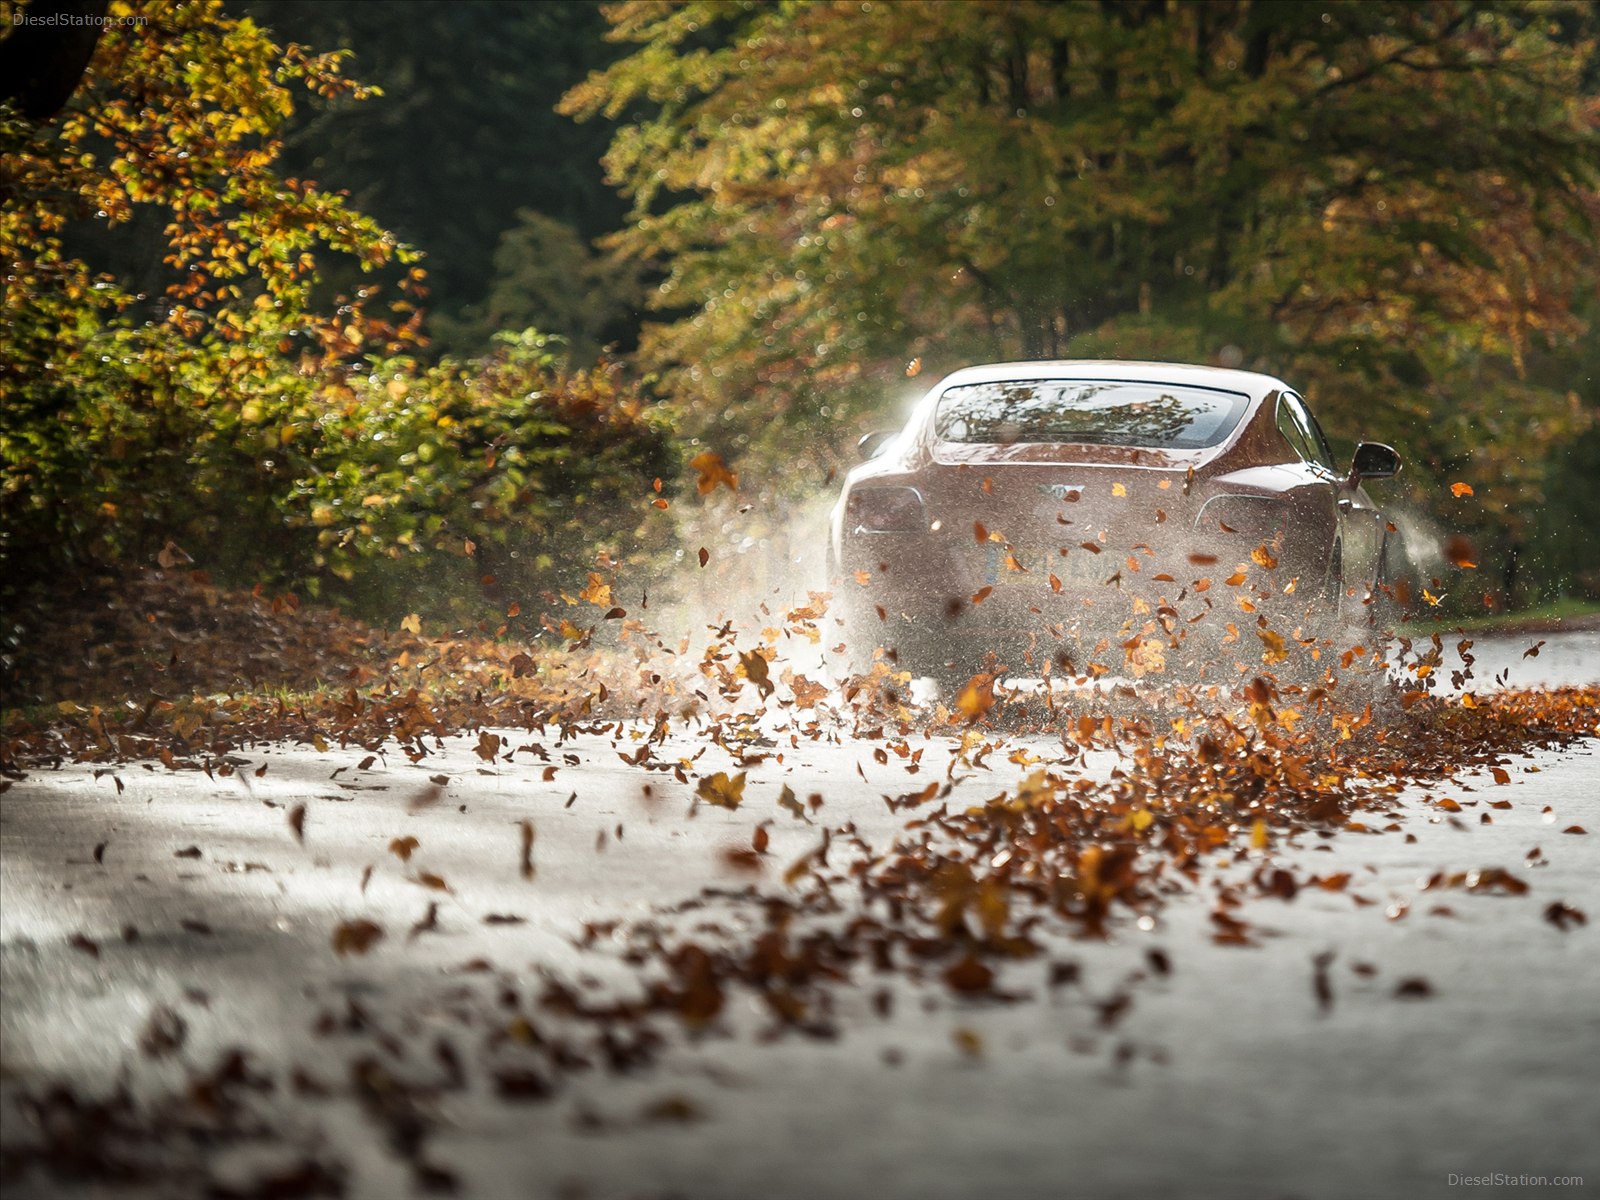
(755,670)
(720,790)
(412,625)
(976,697)
(1273,649)
(712,471)
(597,591)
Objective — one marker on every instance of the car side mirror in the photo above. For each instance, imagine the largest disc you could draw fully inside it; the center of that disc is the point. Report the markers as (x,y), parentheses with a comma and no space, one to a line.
(1374,460)
(872,444)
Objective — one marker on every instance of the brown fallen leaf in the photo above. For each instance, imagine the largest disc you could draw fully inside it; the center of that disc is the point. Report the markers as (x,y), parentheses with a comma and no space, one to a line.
(744,859)
(1563,916)
(429,880)
(678,1110)
(522,1084)
(401,847)
(526,861)
(969,976)
(356,937)
(78,942)
(297,823)
(428,795)
(164,1033)
(187,852)
(1321,987)
(1415,988)
(428,924)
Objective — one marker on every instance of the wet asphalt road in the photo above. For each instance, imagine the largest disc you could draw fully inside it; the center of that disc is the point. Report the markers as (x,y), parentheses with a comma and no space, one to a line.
(1225,1077)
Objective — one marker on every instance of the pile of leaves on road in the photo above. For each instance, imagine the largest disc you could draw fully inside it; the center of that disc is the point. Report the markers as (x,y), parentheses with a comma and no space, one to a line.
(164,635)
(1303,740)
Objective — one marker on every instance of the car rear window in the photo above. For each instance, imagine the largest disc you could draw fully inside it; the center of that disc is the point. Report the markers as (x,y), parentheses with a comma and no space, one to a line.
(1091,411)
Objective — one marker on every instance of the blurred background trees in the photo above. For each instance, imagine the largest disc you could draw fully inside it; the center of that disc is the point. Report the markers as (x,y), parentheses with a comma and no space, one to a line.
(1392,204)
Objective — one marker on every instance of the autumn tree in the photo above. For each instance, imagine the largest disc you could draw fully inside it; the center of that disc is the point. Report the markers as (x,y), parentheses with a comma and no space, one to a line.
(1391,201)
(177,366)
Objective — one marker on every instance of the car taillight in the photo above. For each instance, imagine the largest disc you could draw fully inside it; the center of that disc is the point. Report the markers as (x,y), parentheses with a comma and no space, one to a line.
(884,510)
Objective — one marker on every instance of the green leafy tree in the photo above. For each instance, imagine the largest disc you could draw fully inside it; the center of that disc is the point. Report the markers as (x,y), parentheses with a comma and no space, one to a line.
(1392,202)
(273,431)
(119,406)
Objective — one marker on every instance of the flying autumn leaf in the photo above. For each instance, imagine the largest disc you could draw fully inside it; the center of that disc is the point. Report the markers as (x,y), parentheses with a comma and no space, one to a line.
(1273,649)
(976,697)
(720,790)
(428,924)
(755,670)
(1461,489)
(712,471)
(1460,552)
(788,801)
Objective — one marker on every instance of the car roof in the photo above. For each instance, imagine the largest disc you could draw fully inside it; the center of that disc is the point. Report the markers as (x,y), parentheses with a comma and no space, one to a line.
(1250,383)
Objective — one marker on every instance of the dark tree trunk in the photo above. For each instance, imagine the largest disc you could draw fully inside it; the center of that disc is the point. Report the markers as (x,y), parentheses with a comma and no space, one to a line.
(44,58)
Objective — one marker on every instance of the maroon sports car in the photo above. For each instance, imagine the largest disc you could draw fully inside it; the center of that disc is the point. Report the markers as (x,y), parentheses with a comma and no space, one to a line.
(1038,511)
